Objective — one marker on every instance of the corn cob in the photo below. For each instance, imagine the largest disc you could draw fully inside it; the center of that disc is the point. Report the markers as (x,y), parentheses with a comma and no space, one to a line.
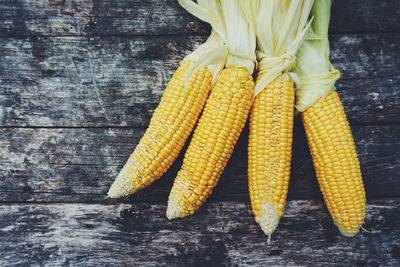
(280,28)
(226,109)
(336,162)
(328,132)
(215,136)
(270,150)
(171,124)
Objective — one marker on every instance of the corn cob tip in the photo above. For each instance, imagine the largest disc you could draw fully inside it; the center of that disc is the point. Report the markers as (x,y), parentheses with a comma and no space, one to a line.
(120,188)
(268,219)
(348,232)
(173,210)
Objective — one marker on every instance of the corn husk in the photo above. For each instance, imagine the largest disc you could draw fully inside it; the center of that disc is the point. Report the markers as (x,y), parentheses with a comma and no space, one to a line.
(316,74)
(236,42)
(280,27)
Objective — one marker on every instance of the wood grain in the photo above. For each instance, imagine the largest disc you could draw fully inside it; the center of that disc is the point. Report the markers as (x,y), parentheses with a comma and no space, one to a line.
(161,17)
(78,165)
(118,81)
(220,234)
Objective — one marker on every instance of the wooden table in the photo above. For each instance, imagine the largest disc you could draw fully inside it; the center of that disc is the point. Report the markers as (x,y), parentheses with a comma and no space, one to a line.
(79,81)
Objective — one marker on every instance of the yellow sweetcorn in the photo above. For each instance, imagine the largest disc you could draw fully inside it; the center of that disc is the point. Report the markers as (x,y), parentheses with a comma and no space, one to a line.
(226,110)
(171,124)
(270,151)
(280,28)
(336,163)
(213,141)
(173,120)
(328,132)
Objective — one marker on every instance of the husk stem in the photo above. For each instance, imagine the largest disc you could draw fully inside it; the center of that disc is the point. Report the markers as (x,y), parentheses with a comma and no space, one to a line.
(316,74)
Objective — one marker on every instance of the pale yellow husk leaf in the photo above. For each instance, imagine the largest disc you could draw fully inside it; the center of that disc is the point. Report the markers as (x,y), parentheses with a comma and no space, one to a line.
(236,40)
(280,27)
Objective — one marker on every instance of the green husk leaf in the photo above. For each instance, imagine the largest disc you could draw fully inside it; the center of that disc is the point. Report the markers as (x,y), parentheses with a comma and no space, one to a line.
(313,67)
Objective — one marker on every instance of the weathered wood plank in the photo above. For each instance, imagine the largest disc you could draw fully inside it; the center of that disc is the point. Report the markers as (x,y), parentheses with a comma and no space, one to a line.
(130,17)
(102,17)
(80,82)
(78,165)
(220,234)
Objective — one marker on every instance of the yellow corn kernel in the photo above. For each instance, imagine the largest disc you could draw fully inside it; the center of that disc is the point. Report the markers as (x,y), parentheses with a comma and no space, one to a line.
(213,142)
(171,124)
(336,162)
(270,151)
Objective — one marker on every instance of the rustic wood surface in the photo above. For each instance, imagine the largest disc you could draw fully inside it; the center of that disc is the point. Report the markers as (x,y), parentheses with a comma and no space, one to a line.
(222,233)
(156,17)
(79,80)
(118,81)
